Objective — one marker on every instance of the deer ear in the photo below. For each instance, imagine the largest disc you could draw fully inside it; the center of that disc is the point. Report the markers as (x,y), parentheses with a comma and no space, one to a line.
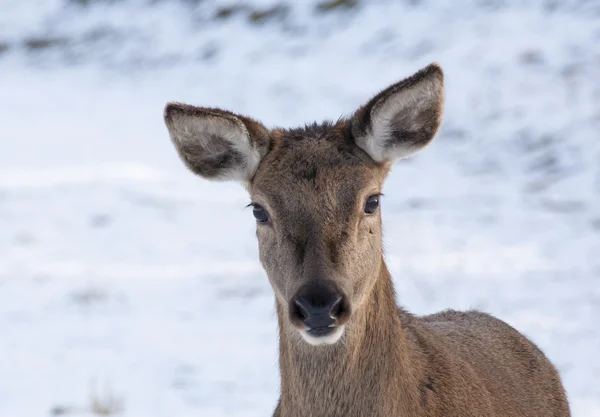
(403,118)
(216,144)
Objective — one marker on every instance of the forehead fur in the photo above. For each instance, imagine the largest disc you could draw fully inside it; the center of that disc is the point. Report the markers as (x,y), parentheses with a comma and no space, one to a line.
(316,159)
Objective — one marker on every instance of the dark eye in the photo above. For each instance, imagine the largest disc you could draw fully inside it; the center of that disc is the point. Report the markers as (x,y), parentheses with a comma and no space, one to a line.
(372,204)
(260,214)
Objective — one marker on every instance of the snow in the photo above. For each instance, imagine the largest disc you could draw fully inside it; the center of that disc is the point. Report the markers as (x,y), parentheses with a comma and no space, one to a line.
(127,283)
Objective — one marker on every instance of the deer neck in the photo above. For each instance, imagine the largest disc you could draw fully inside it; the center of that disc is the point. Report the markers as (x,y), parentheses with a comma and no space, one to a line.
(368,369)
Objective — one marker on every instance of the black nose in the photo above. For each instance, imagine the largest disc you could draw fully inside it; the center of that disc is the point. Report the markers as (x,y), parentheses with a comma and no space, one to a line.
(317,307)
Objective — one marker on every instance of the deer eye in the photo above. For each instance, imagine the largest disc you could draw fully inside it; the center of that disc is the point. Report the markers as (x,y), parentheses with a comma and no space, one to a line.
(372,204)
(260,214)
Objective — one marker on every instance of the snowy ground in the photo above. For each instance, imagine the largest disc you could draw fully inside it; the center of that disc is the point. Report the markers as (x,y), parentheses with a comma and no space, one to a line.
(128,286)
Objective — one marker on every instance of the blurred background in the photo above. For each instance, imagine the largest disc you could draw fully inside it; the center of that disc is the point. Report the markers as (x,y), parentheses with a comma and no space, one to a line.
(130,287)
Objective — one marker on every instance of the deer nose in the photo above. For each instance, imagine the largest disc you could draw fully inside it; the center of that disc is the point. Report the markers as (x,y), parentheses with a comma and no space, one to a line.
(316,310)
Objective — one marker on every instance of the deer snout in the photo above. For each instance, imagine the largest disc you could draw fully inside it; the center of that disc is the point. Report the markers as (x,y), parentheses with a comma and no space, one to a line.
(316,315)
(318,307)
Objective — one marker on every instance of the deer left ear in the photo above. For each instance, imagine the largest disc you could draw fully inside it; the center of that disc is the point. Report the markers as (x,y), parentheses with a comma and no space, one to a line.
(403,118)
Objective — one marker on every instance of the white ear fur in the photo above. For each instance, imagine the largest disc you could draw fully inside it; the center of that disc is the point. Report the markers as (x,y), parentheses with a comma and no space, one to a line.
(212,143)
(402,119)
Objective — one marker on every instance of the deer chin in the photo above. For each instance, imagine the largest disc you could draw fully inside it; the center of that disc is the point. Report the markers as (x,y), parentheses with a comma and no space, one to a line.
(316,337)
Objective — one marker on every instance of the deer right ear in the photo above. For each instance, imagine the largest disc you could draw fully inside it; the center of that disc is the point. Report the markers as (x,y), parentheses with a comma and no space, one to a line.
(403,118)
(216,144)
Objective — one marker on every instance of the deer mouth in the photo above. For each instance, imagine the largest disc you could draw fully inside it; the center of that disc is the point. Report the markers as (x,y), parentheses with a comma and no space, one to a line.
(321,330)
(322,335)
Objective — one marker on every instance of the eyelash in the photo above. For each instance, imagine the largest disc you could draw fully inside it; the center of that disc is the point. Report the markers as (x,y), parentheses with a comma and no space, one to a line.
(259,212)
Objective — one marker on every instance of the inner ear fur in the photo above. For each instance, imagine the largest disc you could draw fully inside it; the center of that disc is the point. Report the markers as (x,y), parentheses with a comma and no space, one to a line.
(215,143)
(403,118)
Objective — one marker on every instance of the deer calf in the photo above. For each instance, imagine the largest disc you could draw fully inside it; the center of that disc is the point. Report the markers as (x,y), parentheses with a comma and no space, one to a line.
(345,347)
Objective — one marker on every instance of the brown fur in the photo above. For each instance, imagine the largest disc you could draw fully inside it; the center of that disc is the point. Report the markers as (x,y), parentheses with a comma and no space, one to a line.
(313,183)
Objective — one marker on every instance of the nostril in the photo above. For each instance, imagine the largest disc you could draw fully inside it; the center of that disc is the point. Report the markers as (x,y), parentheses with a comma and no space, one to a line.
(336,308)
(300,311)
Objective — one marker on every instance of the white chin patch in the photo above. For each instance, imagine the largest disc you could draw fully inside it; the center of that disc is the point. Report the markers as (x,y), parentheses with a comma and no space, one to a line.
(329,339)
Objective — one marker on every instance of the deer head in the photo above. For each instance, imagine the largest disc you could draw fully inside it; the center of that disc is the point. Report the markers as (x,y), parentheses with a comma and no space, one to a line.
(315,192)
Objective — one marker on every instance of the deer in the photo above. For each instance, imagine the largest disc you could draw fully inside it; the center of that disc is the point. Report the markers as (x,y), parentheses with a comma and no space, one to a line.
(345,347)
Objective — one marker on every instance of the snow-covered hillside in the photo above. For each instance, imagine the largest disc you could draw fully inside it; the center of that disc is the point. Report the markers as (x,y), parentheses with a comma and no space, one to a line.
(128,286)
